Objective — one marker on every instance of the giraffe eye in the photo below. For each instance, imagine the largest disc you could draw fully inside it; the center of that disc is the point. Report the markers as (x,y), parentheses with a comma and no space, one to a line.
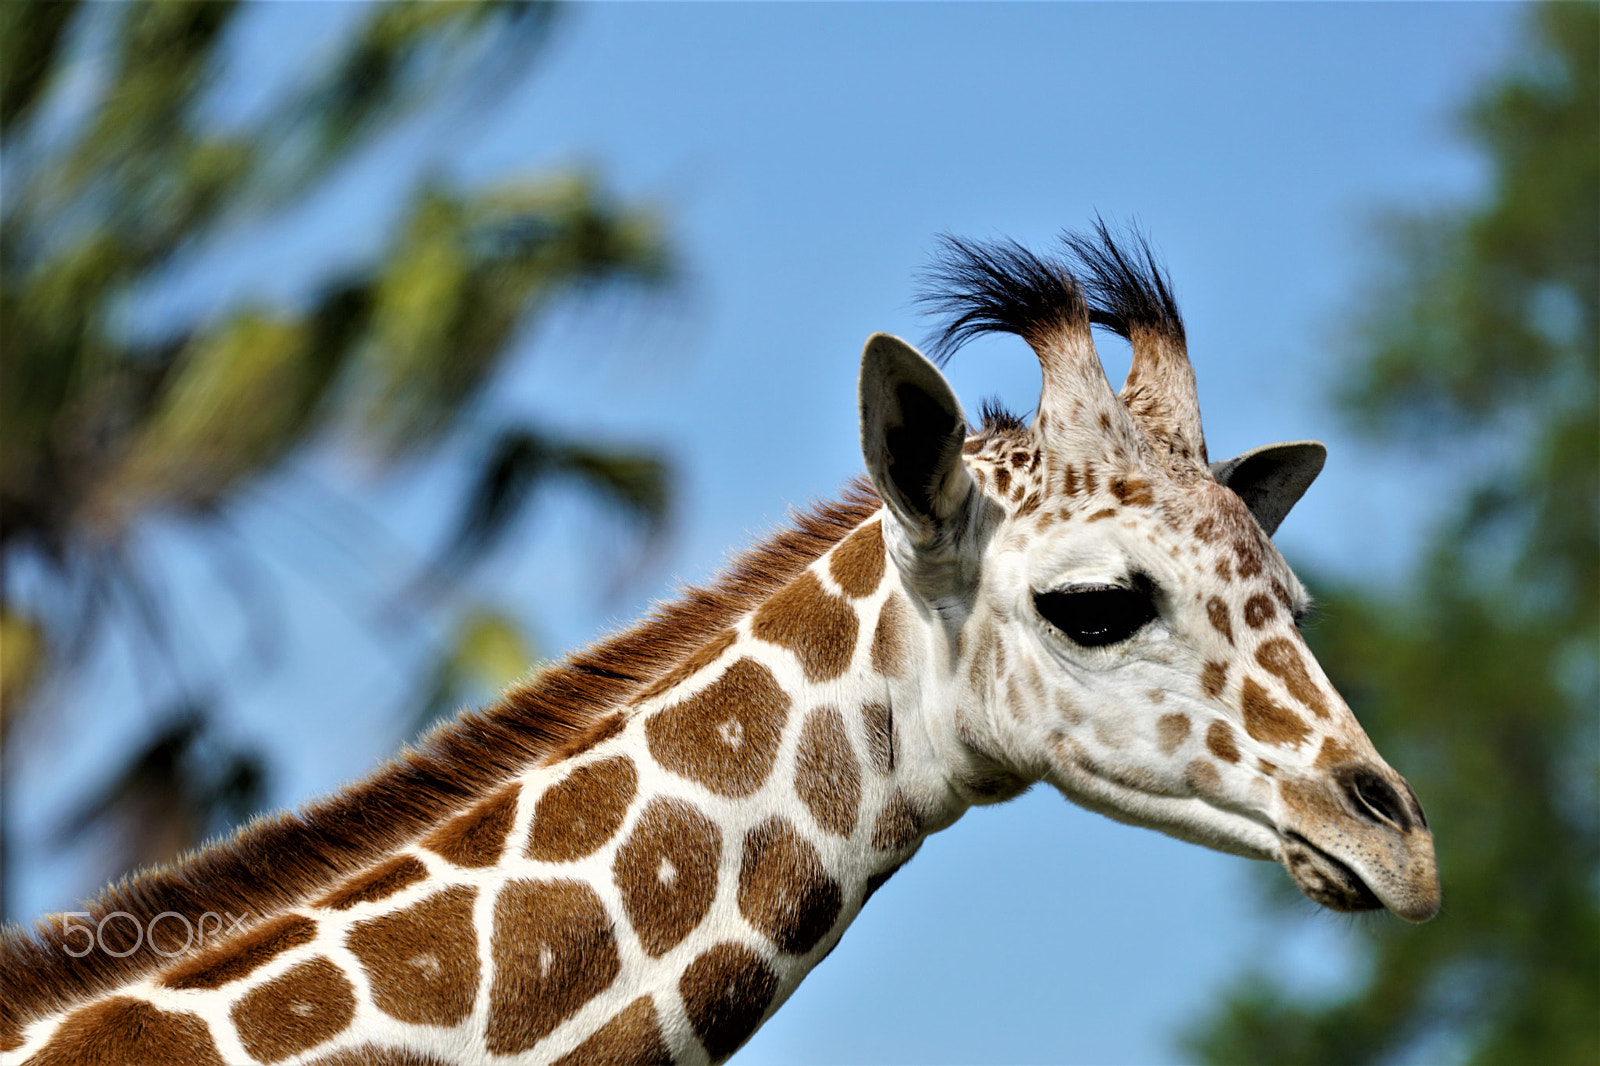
(1097,615)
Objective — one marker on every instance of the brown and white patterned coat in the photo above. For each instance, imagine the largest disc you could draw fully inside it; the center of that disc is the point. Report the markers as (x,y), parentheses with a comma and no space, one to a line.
(638,854)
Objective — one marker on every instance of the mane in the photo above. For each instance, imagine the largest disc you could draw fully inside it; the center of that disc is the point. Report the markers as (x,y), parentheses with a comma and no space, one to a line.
(1111,281)
(278,861)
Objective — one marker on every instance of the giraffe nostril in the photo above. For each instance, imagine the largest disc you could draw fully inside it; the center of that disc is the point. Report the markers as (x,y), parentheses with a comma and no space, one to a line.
(1416,804)
(1373,797)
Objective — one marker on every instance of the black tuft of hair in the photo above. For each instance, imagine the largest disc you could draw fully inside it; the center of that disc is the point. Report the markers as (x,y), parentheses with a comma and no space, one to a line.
(994,418)
(1127,287)
(998,287)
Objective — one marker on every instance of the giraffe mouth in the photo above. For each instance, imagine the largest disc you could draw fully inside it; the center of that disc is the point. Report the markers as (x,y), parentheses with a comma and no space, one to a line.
(1325,879)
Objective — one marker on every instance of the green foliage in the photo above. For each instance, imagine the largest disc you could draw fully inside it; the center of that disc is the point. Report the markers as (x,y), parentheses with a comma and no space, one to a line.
(119,174)
(1480,680)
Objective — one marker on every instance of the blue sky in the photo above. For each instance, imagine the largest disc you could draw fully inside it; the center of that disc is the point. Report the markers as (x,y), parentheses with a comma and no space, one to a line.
(805,156)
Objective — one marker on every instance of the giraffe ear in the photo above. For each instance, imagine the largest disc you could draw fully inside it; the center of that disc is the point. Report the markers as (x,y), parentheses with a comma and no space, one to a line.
(912,430)
(1272,478)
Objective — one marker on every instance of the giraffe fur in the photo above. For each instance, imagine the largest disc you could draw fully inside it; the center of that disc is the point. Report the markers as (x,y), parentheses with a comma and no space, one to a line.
(637,854)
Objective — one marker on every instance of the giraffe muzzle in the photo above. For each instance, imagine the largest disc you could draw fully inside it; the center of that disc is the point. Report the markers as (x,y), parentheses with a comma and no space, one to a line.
(1324,879)
(1354,842)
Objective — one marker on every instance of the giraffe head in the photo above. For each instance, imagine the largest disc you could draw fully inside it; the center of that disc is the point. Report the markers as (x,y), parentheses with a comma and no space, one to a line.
(1108,607)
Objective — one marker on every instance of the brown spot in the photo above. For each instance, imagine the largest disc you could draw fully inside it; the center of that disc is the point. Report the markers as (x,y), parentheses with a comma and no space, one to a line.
(1312,802)
(1282,595)
(726,735)
(898,825)
(972,446)
(1104,512)
(827,776)
(575,817)
(1020,459)
(1002,480)
(1249,556)
(476,838)
(1265,720)
(238,956)
(784,890)
(667,873)
(888,640)
(127,1030)
(373,1055)
(981,668)
(1090,484)
(1202,778)
(1000,661)
(1069,481)
(383,880)
(697,660)
(1068,710)
(554,951)
(1332,753)
(1155,695)
(632,1038)
(1220,742)
(1267,768)
(1112,734)
(295,1012)
(1224,568)
(1283,662)
(725,992)
(1258,611)
(1171,730)
(857,564)
(817,626)
(1217,611)
(1029,505)
(1205,530)
(879,726)
(1132,492)
(422,961)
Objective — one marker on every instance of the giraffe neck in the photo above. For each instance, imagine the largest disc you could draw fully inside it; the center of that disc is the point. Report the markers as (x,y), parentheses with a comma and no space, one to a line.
(657,890)
(738,823)
(752,802)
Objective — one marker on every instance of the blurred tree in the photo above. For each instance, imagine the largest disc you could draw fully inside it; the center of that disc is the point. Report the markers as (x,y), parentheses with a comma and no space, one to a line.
(119,172)
(1480,679)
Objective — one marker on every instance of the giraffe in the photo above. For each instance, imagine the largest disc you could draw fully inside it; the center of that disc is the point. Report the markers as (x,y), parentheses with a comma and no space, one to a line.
(637,854)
